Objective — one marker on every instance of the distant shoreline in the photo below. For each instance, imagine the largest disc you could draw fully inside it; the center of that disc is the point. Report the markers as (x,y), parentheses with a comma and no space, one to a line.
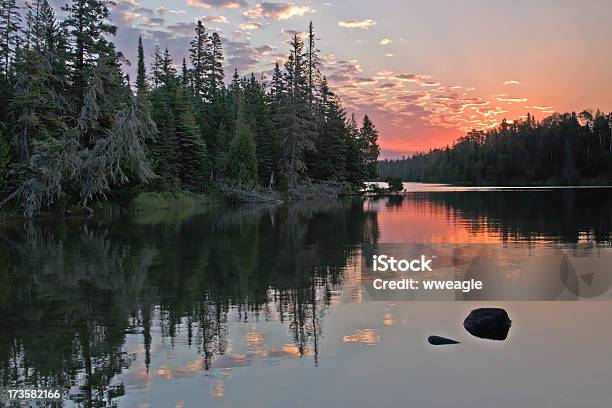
(598,184)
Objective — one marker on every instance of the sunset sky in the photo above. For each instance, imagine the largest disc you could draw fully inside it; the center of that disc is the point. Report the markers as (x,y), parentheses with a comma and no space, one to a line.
(425,71)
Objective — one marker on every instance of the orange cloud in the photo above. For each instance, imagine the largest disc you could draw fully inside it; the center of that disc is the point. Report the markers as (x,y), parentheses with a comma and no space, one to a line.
(276,11)
(363,24)
(213,19)
(508,99)
(251,26)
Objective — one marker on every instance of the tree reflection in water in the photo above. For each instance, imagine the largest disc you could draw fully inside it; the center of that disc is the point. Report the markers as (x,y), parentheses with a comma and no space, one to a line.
(72,292)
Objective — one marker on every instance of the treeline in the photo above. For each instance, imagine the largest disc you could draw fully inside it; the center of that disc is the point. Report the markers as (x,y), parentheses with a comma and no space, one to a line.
(566,148)
(74,128)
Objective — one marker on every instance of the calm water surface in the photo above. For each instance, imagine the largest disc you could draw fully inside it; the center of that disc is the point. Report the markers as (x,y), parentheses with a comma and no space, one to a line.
(264,307)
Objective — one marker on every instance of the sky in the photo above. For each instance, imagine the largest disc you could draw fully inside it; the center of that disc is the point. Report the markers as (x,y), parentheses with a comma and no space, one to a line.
(426,72)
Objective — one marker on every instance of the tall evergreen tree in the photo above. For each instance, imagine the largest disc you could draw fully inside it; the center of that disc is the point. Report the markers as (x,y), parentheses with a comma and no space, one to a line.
(10,21)
(355,172)
(200,56)
(257,116)
(313,63)
(293,118)
(329,158)
(215,74)
(192,155)
(38,104)
(141,77)
(88,24)
(156,68)
(167,70)
(369,141)
(277,87)
(243,158)
(185,77)
(163,148)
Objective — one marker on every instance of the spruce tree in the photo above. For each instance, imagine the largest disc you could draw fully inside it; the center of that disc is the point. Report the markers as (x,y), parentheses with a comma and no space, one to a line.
(293,118)
(369,142)
(38,104)
(215,69)
(221,161)
(192,155)
(277,87)
(168,72)
(355,172)
(329,158)
(242,158)
(257,116)
(163,148)
(10,21)
(156,68)
(88,24)
(185,77)
(200,56)
(141,78)
(313,64)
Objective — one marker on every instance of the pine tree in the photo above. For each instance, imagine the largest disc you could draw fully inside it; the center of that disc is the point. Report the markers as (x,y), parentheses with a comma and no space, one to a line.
(199,54)
(192,155)
(88,23)
(10,21)
(235,85)
(258,117)
(355,173)
(243,159)
(371,150)
(107,93)
(293,118)
(168,72)
(141,78)
(313,64)
(38,103)
(277,87)
(296,75)
(329,158)
(185,77)
(221,158)
(156,68)
(163,149)
(215,74)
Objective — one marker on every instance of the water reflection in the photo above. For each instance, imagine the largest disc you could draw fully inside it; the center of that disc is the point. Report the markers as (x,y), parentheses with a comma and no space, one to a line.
(103,306)
(523,216)
(72,293)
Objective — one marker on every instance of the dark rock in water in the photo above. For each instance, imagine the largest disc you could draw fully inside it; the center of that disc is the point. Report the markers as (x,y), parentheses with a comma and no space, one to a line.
(488,323)
(440,341)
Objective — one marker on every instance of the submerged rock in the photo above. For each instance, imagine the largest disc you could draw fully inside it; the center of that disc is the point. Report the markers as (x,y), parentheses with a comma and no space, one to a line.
(488,323)
(440,341)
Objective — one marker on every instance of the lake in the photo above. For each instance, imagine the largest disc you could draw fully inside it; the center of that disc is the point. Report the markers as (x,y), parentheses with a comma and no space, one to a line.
(267,307)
